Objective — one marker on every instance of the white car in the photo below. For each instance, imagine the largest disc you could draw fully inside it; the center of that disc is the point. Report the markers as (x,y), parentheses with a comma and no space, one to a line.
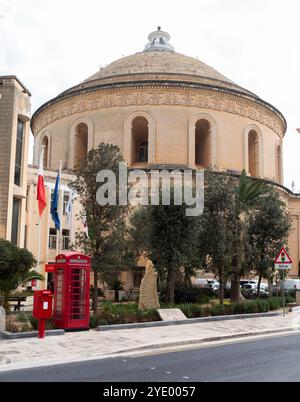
(292,284)
(249,285)
(202,283)
(213,284)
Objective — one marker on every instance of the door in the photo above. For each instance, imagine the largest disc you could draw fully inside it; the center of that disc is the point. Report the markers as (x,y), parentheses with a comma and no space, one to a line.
(78,307)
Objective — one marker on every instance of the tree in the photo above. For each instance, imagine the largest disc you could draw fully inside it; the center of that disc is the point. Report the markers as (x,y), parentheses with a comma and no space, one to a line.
(116,285)
(247,191)
(15,269)
(269,227)
(224,233)
(216,234)
(168,238)
(105,242)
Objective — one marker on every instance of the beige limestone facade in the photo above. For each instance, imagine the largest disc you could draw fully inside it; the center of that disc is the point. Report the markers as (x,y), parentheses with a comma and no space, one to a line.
(163,109)
(51,242)
(15,113)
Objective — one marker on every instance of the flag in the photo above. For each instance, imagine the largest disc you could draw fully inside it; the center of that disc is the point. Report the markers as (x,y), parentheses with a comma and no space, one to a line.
(41,192)
(69,208)
(54,204)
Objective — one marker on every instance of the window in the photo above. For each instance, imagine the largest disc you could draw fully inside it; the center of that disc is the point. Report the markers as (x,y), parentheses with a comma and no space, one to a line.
(203,144)
(25,236)
(52,239)
(140,135)
(253,151)
(65,203)
(19,152)
(65,239)
(143,152)
(81,145)
(27,199)
(15,221)
(45,144)
(278,164)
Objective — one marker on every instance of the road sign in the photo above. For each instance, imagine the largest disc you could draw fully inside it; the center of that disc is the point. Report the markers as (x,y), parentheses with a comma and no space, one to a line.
(283,261)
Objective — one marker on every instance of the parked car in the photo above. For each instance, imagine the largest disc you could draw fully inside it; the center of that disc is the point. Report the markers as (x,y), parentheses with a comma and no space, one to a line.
(253,283)
(214,284)
(292,284)
(264,291)
(250,285)
(202,283)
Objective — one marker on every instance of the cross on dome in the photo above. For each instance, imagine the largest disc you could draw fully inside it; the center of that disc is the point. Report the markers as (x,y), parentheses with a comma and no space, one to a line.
(159,41)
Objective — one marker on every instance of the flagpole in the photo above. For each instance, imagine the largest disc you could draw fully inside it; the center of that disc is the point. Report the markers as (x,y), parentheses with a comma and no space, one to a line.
(41,161)
(71,218)
(58,232)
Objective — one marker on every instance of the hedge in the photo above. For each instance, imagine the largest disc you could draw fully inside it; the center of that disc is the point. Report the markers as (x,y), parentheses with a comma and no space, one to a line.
(129,313)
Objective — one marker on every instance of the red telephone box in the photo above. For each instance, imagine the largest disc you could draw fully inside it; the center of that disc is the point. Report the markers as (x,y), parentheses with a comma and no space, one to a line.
(72,291)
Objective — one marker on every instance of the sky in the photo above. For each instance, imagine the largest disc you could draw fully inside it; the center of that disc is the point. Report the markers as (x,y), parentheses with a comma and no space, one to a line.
(52,45)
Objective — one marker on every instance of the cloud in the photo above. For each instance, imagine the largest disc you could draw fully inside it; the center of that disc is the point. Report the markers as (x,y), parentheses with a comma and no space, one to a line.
(54,44)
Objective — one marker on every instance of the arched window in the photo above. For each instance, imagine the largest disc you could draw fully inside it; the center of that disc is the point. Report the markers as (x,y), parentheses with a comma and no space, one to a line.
(45,144)
(278,164)
(80,145)
(253,153)
(203,144)
(143,152)
(140,141)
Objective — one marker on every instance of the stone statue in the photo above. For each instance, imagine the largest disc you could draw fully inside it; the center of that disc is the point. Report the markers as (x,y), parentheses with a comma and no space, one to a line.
(148,289)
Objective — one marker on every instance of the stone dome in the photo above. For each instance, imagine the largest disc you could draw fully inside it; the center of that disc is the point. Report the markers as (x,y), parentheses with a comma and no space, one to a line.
(162,108)
(160,63)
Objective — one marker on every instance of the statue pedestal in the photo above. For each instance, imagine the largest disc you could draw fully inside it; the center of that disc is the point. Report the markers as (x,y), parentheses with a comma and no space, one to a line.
(171,315)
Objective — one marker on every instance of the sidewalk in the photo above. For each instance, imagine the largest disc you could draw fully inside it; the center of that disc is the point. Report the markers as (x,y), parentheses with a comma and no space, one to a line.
(25,353)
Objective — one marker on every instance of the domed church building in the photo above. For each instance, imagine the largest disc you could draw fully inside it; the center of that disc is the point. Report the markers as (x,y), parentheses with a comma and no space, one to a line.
(164,109)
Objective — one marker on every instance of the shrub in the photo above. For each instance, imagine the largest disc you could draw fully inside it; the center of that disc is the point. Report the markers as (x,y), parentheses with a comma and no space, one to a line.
(120,313)
(109,314)
(22,317)
(219,309)
(291,298)
(189,294)
(191,310)
(35,323)
(238,308)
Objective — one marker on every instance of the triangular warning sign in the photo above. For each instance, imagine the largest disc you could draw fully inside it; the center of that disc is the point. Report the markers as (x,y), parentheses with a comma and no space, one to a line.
(283,257)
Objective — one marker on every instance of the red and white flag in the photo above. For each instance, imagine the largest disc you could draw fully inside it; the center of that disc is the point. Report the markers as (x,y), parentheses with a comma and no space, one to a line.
(41,192)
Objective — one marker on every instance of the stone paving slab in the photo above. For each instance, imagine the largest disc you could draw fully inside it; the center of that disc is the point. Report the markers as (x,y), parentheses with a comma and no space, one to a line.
(91,345)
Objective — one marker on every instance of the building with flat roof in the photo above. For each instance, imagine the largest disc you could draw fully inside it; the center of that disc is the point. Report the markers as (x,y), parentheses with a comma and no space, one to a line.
(15,116)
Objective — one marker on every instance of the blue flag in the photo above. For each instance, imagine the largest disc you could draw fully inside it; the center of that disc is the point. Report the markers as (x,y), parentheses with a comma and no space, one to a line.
(54,204)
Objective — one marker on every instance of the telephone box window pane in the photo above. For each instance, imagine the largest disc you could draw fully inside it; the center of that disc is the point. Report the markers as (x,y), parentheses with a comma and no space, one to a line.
(59,292)
(77,296)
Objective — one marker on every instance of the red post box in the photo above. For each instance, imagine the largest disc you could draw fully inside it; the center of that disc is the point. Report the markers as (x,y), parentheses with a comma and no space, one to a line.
(72,291)
(42,309)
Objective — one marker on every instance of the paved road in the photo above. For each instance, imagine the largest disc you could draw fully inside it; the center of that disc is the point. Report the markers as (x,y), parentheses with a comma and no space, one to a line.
(276,359)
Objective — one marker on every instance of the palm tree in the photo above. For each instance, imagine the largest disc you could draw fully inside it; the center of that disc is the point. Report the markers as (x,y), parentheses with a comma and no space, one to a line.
(15,269)
(10,285)
(247,191)
(117,286)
